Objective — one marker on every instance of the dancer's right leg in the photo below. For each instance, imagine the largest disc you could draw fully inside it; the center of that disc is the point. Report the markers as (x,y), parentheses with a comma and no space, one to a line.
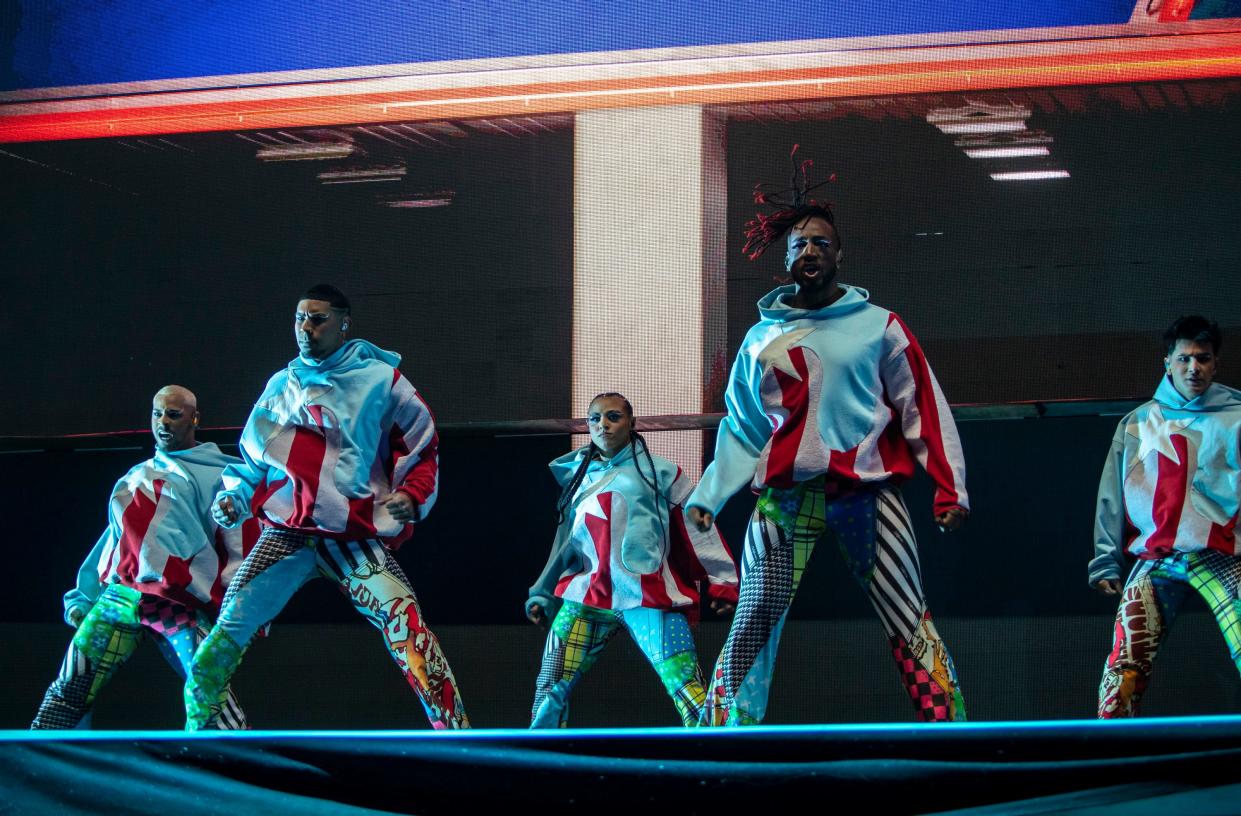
(1148,606)
(577,638)
(105,639)
(778,543)
(274,570)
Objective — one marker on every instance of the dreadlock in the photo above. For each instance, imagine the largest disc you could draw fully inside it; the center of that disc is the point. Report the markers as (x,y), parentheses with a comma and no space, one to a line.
(791,207)
(591,451)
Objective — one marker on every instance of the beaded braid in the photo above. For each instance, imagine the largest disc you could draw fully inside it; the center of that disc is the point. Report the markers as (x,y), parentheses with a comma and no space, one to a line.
(570,488)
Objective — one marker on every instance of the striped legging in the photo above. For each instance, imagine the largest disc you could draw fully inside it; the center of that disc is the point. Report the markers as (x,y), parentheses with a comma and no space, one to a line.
(872,529)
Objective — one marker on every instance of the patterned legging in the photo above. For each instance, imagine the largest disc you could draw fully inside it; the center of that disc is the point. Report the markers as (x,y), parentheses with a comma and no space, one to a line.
(578,636)
(106,638)
(1149,604)
(874,534)
(367,574)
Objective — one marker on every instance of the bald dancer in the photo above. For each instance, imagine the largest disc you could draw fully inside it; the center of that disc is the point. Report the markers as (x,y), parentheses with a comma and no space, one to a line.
(159,570)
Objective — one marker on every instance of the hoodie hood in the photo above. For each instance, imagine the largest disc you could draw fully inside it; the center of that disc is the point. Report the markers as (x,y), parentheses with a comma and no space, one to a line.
(352,354)
(203,455)
(563,467)
(1215,398)
(774,304)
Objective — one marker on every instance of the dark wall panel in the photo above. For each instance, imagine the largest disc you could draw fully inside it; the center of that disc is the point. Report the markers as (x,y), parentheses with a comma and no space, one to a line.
(1018,290)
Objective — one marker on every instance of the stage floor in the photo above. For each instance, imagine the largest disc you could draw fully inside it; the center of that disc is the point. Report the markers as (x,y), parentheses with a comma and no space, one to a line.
(1153,766)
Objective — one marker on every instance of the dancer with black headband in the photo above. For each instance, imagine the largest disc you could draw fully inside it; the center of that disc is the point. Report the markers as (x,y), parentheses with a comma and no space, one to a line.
(624,556)
(830,404)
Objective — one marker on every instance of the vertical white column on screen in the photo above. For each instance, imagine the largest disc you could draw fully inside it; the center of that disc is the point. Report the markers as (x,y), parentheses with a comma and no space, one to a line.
(648,273)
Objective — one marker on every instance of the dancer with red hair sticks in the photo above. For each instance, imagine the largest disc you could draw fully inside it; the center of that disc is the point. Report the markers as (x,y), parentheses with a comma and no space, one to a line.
(830,404)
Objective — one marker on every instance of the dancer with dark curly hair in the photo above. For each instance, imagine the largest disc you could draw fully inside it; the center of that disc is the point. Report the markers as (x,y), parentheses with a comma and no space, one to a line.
(830,405)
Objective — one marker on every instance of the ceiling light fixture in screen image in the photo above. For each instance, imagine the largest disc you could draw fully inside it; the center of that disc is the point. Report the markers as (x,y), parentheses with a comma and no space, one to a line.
(1036,241)
(137,262)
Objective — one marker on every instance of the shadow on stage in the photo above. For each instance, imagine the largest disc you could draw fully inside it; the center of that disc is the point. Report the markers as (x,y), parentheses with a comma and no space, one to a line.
(1172,765)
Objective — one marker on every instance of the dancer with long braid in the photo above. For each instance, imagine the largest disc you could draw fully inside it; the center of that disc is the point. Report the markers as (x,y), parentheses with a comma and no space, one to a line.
(624,557)
(830,404)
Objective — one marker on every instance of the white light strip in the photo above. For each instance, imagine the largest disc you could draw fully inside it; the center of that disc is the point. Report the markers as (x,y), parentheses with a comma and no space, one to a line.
(1030,175)
(1001,126)
(361,174)
(1005,152)
(419,202)
(304,152)
(361,180)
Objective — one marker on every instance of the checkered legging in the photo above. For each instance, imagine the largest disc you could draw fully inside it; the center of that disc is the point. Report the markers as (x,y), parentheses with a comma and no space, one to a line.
(873,532)
(1151,599)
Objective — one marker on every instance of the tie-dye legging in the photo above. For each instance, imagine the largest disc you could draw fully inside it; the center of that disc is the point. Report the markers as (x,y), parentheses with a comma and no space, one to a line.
(367,574)
(578,636)
(107,637)
(872,529)
(1148,606)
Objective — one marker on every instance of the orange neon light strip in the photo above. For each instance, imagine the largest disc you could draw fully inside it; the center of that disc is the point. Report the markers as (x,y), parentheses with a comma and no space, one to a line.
(1221,59)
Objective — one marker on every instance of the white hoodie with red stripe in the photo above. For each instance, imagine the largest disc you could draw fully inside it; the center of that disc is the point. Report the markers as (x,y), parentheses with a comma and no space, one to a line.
(1172,480)
(160,539)
(622,547)
(328,439)
(845,391)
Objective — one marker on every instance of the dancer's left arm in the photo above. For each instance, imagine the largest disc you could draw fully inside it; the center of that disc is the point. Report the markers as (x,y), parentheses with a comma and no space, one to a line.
(926,421)
(415,454)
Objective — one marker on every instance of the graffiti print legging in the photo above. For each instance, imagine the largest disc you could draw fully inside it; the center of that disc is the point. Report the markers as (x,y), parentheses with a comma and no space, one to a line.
(1148,606)
(872,529)
(367,574)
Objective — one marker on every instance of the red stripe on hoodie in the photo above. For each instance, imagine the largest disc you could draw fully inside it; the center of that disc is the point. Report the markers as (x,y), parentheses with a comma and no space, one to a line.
(599,595)
(1223,537)
(135,522)
(306,455)
(786,440)
(1169,499)
(937,466)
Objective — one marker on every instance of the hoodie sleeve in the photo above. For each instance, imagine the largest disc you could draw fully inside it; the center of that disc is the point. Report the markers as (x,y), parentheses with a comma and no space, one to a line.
(543,590)
(87,589)
(562,557)
(1109,525)
(415,447)
(239,482)
(741,438)
(926,420)
(696,554)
